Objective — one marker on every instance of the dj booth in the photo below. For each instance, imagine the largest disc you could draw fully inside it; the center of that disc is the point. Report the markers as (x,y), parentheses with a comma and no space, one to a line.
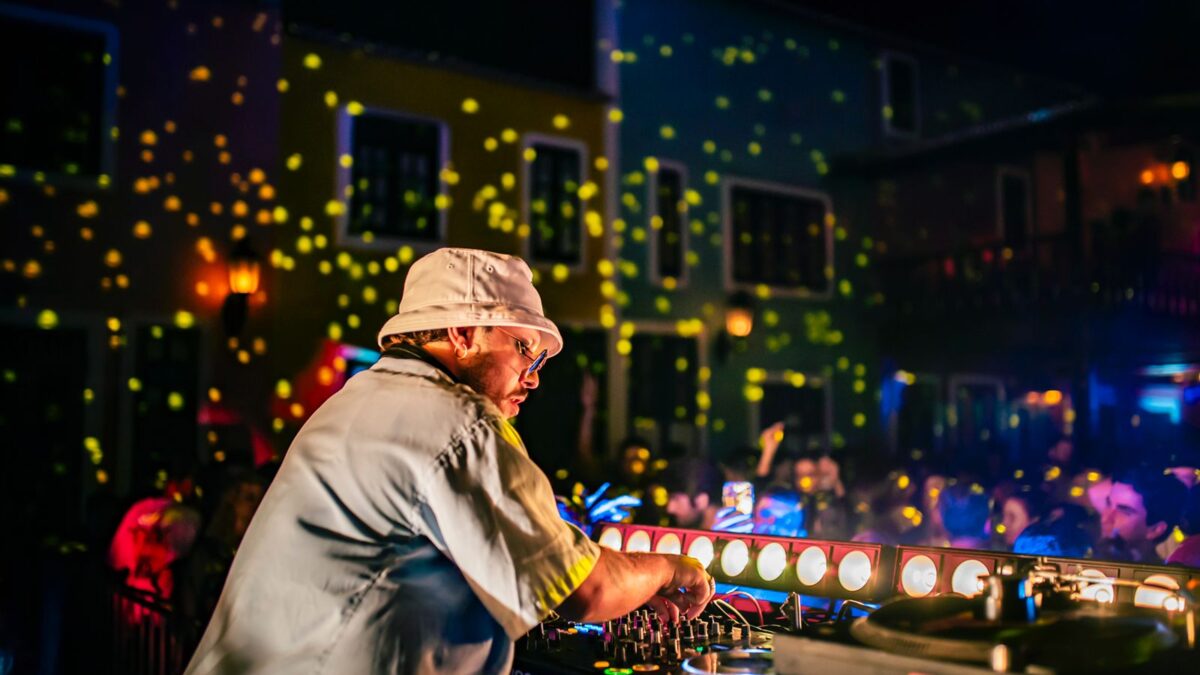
(808,606)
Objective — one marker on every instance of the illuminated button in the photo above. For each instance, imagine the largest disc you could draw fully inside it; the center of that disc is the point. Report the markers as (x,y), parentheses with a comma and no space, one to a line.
(646,667)
(611,538)
(669,543)
(811,566)
(965,579)
(734,557)
(639,542)
(1156,591)
(854,571)
(1096,591)
(919,576)
(701,549)
(772,560)
(600,664)
(617,671)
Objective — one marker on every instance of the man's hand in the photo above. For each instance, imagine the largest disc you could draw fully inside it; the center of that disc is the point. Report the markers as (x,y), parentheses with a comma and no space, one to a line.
(687,593)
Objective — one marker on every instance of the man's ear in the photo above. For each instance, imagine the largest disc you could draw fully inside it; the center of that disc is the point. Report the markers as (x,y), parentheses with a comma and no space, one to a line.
(462,339)
(701,501)
(1155,531)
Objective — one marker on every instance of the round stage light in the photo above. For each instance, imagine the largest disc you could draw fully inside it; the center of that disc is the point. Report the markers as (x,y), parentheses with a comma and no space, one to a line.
(919,576)
(734,557)
(668,543)
(638,542)
(772,560)
(854,571)
(965,579)
(611,538)
(701,549)
(1156,591)
(1100,590)
(811,566)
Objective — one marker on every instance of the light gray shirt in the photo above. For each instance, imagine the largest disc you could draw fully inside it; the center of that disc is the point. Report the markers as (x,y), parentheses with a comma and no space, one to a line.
(406,531)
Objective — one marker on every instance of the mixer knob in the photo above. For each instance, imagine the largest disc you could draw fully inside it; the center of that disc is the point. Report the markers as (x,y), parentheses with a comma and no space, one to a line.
(714,627)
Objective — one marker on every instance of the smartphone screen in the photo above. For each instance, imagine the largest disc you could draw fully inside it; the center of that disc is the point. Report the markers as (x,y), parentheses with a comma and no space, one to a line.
(738,494)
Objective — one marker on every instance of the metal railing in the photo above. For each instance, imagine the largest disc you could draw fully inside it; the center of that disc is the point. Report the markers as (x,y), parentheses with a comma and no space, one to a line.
(148,638)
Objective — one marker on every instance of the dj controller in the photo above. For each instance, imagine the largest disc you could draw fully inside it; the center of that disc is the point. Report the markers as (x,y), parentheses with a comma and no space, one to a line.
(1021,614)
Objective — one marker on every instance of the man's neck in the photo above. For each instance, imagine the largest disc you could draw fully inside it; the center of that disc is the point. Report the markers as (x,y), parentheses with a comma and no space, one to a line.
(443,353)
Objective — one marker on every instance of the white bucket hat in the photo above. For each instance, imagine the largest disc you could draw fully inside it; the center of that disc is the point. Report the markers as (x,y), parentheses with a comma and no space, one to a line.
(469,287)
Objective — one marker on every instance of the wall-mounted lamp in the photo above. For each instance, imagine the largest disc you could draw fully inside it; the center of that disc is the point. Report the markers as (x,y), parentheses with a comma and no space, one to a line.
(739,315)
(739,322)
(244,273)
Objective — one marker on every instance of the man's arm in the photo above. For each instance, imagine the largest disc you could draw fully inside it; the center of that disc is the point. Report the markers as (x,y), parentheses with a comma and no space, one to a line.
(621,582)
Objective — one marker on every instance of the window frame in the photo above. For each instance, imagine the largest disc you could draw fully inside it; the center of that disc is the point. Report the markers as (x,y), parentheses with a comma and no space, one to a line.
(890,131)
(108,104)
(528,140)
(727,235)
(667,329)
(1026,176)
(344,146)
(684,232)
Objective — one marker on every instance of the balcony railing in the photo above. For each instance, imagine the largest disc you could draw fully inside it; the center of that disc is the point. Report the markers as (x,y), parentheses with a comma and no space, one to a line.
(1046,272)
(148,638)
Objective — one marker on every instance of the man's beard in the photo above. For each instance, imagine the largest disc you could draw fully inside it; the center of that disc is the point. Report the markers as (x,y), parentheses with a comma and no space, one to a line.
(481,374)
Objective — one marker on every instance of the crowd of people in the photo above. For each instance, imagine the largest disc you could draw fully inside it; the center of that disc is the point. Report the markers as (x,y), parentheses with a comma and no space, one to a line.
(1058,507)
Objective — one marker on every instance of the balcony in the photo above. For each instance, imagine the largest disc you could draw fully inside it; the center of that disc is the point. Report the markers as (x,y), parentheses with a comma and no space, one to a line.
(1047,273)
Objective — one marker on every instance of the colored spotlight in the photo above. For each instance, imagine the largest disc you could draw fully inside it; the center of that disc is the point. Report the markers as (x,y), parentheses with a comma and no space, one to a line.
(854,571)
(611,538)
(919,576)
(811,566)
(668,543)
(734,557)
(965,579)
(701,549)
(772,560)
(1100,590)
(638,542)
(1156,591)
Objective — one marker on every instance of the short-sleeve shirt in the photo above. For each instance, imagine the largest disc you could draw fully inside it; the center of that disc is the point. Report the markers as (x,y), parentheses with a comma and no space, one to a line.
(406,531)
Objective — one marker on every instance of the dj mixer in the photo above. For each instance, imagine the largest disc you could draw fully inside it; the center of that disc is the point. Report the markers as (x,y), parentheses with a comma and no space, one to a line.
(949,611)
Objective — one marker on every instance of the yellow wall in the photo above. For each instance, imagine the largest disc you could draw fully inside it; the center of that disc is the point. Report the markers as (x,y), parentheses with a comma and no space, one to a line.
(308,299)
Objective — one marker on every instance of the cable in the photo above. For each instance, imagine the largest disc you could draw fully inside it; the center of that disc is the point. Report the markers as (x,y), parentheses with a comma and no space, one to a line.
(757,607)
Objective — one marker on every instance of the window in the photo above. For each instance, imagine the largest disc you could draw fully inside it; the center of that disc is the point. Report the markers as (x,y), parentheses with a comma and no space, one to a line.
(161,421)
(977,405)
(900,111)
(395,178)
(58,76)
(778,236)
(919,419)
(1013,206)
(803,403)
(663,382)
(554,171)
(668,224)
(573,393)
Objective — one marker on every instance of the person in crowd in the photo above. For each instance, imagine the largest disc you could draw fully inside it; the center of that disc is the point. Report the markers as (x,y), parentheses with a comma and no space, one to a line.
(780,512)
(1140,510)
(933,528)
(693,493)
(964,509)
(154,534)
(1057,534)
(1021,509)
(408,530)
(202,573)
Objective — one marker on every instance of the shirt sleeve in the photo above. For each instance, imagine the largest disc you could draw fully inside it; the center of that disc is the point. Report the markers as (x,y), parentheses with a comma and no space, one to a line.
(492,511)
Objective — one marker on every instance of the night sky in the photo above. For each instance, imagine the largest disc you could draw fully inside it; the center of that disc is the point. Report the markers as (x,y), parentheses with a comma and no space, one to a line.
(1114,49)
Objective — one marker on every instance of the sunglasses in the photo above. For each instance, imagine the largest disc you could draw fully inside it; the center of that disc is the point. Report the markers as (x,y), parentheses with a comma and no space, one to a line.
(535,362)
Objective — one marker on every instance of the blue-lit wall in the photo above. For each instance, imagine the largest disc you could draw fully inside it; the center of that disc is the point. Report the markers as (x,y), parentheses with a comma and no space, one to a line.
(751,91)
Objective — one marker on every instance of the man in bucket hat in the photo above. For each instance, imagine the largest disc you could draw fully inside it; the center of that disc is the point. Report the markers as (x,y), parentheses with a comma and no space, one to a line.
(407,529)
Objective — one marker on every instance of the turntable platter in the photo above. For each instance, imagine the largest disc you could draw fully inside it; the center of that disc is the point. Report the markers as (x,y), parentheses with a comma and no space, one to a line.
(948,628)
(732,661)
